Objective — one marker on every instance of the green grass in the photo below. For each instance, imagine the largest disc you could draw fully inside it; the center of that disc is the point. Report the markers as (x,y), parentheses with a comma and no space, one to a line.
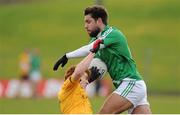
(152,29)
(161,104)
(17,106)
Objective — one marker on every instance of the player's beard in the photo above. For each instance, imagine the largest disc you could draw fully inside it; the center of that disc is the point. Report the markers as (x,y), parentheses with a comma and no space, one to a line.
(95,32)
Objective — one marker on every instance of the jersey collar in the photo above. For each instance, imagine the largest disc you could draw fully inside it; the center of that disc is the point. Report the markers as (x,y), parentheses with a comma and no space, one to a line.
(106,28)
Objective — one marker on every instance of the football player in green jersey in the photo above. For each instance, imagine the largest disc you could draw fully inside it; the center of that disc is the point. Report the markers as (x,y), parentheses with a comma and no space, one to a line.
(130,93)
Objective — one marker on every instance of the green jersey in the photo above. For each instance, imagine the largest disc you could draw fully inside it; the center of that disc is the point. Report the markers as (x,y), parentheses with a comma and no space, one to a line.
(117,56)
(35,63)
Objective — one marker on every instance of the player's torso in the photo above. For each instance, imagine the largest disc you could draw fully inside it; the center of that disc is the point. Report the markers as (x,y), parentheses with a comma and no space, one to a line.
(118,58)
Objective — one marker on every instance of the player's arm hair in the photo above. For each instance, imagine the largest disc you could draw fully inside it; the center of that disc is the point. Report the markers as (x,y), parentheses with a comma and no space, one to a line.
(82,66)
(83,51)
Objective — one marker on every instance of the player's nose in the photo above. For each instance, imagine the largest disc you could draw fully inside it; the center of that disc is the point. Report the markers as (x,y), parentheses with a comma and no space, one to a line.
(86,26)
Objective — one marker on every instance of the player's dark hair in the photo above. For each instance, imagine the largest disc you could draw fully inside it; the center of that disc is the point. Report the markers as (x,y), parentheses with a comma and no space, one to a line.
(69,72)
(96,12)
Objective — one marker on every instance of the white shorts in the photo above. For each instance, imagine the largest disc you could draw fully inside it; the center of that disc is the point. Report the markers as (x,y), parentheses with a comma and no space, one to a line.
(133,90)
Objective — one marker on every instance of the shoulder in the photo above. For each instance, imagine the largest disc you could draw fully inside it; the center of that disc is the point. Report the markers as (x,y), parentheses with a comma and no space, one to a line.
(116,32)
(113,37)
(112,33)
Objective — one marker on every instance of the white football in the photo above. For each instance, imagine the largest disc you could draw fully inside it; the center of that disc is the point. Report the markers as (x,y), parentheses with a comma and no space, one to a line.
(100,65)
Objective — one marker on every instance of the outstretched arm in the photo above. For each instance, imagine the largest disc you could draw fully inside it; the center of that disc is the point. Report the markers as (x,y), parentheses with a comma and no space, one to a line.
(81,52)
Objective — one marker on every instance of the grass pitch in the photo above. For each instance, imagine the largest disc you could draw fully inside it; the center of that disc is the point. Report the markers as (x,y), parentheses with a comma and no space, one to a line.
(159,104)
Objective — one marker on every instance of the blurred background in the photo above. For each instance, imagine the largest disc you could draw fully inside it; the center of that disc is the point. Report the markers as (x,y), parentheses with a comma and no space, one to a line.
(35,33)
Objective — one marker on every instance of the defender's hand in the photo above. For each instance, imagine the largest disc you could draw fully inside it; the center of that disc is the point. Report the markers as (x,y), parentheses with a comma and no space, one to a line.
(96,45)
(62,61)
(94,74)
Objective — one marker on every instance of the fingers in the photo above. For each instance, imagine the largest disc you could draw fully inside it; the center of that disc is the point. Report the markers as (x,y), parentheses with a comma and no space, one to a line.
(99,73)
(56,66)
(95,70)
(62,61)
(63,64)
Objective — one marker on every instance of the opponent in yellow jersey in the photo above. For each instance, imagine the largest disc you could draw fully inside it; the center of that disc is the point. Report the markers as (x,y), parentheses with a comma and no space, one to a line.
(24,65)
(72,97)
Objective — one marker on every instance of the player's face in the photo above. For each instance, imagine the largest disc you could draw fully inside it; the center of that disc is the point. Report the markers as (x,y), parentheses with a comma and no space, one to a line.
(83,81)
(91,26)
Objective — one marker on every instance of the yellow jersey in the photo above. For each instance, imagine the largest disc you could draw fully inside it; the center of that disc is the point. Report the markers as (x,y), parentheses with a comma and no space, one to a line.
(24,63)
(73,99)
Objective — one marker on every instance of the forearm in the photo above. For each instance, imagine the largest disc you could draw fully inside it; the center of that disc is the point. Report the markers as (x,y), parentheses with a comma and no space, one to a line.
(83,65)
(82,52)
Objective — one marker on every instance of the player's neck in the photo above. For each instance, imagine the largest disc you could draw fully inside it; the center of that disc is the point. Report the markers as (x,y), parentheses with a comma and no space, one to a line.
(102,26)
